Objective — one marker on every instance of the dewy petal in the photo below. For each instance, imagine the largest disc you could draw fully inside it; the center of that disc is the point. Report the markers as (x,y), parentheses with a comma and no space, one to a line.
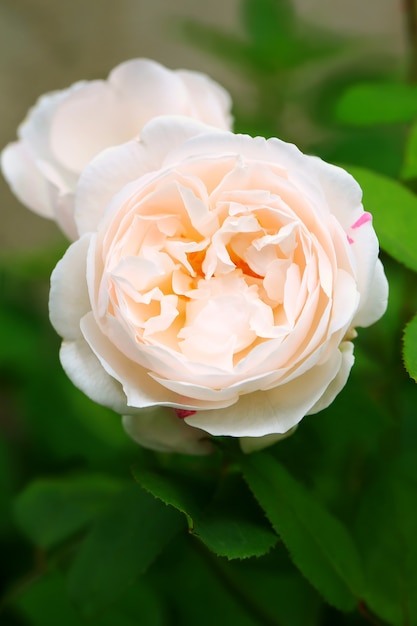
(26,181)
(68,297)
(160,429)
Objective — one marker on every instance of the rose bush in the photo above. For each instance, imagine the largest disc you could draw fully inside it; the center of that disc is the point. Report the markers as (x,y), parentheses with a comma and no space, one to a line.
(218,276)
(66,129)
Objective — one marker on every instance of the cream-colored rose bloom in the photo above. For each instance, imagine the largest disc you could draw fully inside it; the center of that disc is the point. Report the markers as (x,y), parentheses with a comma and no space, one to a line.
(223,286)
(66,129)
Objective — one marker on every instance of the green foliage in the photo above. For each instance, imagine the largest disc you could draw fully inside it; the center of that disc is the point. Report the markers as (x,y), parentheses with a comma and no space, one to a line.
(387,530)
(369,104)
(318,543)
(410,348)
(124,542)
(139,605)
(52,510)
(409,168)
(224,516)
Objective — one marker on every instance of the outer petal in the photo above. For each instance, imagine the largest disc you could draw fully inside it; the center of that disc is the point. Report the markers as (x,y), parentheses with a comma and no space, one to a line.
(344,197)
(64,214)
(160,429)
(68,297)
(102,178)
(210,102)
(87,121)
(151,88)
(340,380)
(26,181)
(270,412)
(343,193)
(86,373)
(275,151)
(374,297)
(252,444)
(35,130)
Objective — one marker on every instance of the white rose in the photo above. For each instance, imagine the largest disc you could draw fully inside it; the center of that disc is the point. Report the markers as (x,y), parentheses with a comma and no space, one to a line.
(66,129)
(224,286)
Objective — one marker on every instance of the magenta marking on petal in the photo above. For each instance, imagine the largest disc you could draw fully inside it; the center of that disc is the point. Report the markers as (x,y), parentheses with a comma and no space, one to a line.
(350,240)
(366,217)
(182,413)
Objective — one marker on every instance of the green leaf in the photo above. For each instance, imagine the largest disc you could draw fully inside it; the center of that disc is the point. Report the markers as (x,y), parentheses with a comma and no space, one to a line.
(380,149)
(410,348)
(394,210)
(185,492)
(367,104)
(122,545)
(228,520)
(51,510)
(233,525)
(274,584)
(199,592)
(319,544)
(46,603)
(7,479)
(387,530)
(409,168)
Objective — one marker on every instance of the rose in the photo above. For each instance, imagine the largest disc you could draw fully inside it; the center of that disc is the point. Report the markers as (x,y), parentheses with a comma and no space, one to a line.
(67,128)
(223,286)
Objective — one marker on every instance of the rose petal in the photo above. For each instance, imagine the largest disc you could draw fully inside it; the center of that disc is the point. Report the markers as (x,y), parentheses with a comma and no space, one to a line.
(270,412)
(210,102)
(374,303)
(339,381)
(252,444)
(85,371)
(160,429)
(87,121)
(68,297)
(26,181)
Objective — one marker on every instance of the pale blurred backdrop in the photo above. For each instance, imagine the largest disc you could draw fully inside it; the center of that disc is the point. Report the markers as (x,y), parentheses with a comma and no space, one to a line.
(47,45)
